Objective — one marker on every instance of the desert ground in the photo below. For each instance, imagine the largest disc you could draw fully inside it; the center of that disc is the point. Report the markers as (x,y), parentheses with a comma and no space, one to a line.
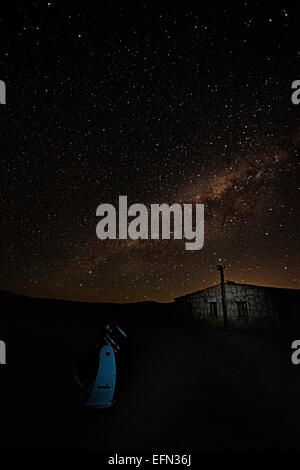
(188,386)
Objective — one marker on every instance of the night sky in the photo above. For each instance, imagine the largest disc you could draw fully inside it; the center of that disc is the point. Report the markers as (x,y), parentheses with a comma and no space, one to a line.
(164,105)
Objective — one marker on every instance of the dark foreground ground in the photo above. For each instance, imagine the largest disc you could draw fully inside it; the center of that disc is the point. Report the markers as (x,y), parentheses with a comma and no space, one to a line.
(190,387)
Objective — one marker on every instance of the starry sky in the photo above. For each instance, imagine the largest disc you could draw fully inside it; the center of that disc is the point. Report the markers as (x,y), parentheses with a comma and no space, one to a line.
(163,104)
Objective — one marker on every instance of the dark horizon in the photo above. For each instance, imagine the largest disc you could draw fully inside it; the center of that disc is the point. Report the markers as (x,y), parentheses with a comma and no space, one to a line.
(63,299)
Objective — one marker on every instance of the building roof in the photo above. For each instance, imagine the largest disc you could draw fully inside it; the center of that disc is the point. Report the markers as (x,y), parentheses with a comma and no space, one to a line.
(281,289)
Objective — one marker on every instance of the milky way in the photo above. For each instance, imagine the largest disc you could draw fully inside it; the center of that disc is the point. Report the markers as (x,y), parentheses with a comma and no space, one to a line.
(166,105)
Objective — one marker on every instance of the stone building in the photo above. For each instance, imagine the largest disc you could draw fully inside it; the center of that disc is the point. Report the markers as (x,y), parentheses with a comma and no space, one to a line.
(247,305)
